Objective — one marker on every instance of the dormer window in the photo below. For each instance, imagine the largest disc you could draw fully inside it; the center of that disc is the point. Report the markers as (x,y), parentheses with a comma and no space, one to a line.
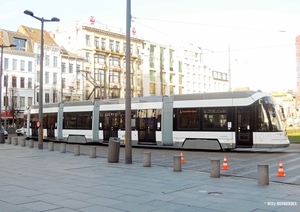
(20,44)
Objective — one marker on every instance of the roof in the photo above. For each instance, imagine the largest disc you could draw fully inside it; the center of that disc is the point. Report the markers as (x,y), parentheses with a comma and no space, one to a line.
(35,35)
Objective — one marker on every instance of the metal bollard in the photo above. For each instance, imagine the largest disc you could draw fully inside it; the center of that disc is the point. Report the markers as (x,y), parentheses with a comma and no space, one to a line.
(215,169)
(147,159)
(92,152)
(15,141)
(23,140)
(177,163)
(62,147)
(76,150)
(263,174)
(31,143)
(50,146)
(9,140)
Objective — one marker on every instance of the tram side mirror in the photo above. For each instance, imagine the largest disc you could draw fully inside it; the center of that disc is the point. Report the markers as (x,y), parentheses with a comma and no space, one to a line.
(100,126)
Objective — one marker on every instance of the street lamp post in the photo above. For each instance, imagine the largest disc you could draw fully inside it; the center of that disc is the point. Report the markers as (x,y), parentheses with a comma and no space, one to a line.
(1,70)
(42,20)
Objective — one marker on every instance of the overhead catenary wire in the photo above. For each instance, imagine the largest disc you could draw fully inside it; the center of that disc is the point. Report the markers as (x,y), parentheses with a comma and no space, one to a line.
(221,51)
(210,25)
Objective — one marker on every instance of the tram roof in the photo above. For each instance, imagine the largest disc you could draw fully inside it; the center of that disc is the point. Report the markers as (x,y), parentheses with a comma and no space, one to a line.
(216,95)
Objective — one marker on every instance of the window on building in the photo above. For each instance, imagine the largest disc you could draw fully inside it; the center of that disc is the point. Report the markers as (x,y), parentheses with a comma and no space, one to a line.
(15,64)
(47,77)
(6,81)
(152,76)
(97,42)
(172,90)
(47,97)
(5,100)
(70,68)
(54,96)
(29,83)
(63,67)
(117,46)
(22,101)
(101,76)
(55,61)
(22,65)
(47,60)
(6,62)
(87,57)
(114,61)
(63,82)
(172,78)
(180,79)
(30,66)
(38,76)
(29,101)
(152,89)
(22,82)
(38,58)
(78,84)
(20,44)
(14,81)
(180,90)
(97,75)
(111,45)
(87,40)
(124,47)
(100,58)
(114,77)
(103,43)
(78,67)
(180,67)
(54,78)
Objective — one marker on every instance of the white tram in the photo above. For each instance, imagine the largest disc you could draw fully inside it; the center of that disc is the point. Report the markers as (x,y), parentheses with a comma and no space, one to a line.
(216,121)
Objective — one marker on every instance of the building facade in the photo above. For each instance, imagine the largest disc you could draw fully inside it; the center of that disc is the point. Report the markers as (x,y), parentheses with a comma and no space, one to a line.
(156,69)
(51,64)
(18,76)
(104,65)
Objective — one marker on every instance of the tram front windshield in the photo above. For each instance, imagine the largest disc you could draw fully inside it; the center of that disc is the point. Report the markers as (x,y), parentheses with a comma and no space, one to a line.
(269,119)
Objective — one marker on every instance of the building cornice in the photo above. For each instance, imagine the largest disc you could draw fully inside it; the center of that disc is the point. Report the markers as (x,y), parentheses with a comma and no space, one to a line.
(110,33)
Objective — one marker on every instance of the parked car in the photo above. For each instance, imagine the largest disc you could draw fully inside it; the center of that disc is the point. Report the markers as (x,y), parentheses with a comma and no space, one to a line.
(20,131)
(4,132)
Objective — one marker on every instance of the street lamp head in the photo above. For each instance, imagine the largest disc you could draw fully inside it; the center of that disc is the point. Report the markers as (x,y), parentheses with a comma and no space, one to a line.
(55,19)
(12,45)
(28,12)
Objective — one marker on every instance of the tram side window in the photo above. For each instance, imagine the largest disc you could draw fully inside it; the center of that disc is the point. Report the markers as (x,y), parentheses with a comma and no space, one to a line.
(215,118)
(122,120)
(188,118)
(84,120)
(77,120)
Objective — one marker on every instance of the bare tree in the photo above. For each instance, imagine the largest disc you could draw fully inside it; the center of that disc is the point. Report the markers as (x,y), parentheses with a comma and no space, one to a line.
(54,95)
(13,105)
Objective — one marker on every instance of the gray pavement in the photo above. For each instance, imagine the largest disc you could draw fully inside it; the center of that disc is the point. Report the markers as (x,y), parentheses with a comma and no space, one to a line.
(43,180)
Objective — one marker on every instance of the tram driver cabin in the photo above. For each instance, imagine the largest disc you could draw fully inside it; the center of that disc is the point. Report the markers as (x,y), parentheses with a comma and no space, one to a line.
(216,121)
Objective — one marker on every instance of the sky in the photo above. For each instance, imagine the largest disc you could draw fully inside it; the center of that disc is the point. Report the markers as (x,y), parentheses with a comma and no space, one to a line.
(254,39)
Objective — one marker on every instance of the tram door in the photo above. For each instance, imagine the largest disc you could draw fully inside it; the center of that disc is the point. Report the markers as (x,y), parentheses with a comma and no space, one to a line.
(244,128)
(33,127)
(110,122)
(50,120)
(146,125)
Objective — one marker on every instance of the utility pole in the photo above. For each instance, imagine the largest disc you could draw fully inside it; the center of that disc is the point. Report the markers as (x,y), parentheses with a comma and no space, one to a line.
(128,147)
